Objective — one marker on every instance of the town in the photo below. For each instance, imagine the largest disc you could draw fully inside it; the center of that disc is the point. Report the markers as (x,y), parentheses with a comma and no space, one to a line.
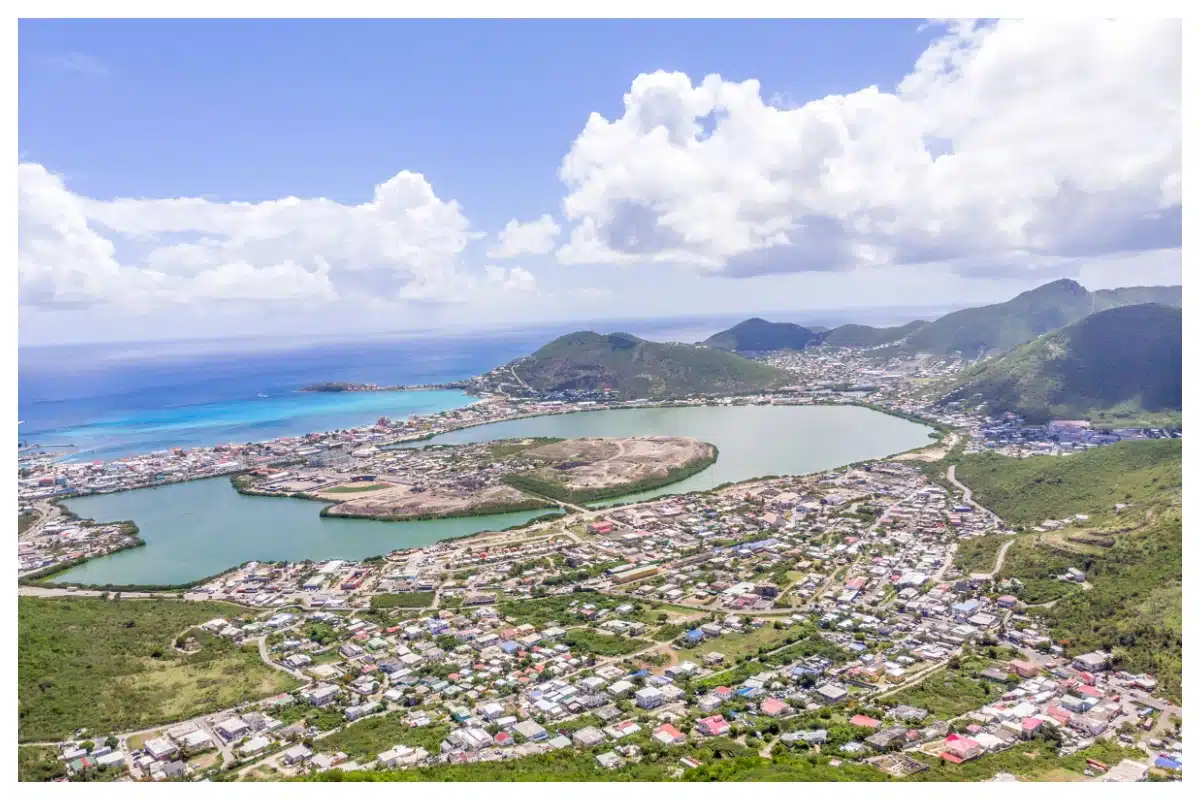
(819,611)
(811,607)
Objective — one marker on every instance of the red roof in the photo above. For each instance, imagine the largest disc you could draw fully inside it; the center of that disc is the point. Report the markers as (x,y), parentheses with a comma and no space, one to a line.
(1031,724)
(773,706)
(714,725)
(863,721)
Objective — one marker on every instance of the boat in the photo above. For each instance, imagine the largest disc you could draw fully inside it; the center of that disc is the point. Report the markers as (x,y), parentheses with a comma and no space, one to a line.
(260,394)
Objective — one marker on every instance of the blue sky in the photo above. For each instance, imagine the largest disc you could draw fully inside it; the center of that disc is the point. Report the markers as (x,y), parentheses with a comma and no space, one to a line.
(259,109)
(695,197)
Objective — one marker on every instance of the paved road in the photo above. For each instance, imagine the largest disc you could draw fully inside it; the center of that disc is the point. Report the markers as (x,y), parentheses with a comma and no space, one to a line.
(913,679)
(967,497)
(519,379)
(266,657)
(48,591)
(562,504)
(999,562)
(47,513)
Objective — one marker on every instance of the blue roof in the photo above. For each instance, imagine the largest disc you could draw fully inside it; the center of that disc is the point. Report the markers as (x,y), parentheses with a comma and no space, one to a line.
(695,635)
(641,673)
(1167,763)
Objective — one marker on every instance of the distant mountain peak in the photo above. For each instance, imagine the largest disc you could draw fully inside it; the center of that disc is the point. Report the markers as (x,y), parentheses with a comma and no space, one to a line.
(633,367)
(757,334)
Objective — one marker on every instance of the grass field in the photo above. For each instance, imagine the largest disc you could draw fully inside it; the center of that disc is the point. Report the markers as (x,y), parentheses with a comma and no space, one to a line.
(735,645)
(354,488)
(111,666)
(585,640)
(403,600)
(568,609)
(508,447)
(950,692)
(366,739)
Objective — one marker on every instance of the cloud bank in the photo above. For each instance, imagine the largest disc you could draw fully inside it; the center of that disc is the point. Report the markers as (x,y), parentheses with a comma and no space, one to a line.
(403,244)
(1011,148)
(1011,140)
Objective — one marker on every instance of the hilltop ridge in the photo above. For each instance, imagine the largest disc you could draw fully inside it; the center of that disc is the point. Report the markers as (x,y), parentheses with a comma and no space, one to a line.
(628,366)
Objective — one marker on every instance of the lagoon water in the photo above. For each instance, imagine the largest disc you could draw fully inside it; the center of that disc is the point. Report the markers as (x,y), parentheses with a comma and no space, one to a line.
(752,441)
(197,529)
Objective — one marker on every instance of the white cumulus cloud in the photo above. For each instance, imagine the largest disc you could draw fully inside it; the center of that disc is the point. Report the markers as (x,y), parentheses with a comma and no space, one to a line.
(526,238)
(404,243)
(511,279)
(1013,140)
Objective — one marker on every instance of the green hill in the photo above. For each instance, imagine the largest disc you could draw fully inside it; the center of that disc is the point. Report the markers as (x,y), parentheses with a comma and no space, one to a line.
(1025,491)
(1137,295)
(866,336)
(1003,326)
(1133,559)
(633,367)
(757,335)
(1121,366)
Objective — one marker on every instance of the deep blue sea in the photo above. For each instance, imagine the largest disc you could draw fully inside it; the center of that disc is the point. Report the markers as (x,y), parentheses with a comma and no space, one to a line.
(109,400)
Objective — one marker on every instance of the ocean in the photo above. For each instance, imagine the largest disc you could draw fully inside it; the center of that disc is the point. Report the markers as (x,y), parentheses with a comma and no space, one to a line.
(104,401)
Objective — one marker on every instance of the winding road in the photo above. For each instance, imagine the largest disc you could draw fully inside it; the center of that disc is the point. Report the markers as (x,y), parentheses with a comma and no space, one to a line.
(967,498)
(999,562)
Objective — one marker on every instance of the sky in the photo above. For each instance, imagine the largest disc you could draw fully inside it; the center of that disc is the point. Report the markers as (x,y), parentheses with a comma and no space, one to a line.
(189,178)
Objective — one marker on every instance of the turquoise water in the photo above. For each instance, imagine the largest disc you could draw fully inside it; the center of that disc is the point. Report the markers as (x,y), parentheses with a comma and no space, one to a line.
(197,529)
(255,419)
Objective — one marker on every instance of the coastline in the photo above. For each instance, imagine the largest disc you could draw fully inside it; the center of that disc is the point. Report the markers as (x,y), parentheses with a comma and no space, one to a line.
(337,387)
(400,442)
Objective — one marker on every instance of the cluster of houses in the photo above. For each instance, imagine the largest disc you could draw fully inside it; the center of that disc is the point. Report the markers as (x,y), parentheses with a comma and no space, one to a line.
(858,561)
(1009,434)
(58,543)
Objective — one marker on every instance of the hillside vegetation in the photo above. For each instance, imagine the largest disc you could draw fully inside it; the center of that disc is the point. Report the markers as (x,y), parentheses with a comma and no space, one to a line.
(112,666)
(1133,560)
(867,336)
(1003,326)
(756,335)
(1025,491)
(633,367)
(1123,366)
